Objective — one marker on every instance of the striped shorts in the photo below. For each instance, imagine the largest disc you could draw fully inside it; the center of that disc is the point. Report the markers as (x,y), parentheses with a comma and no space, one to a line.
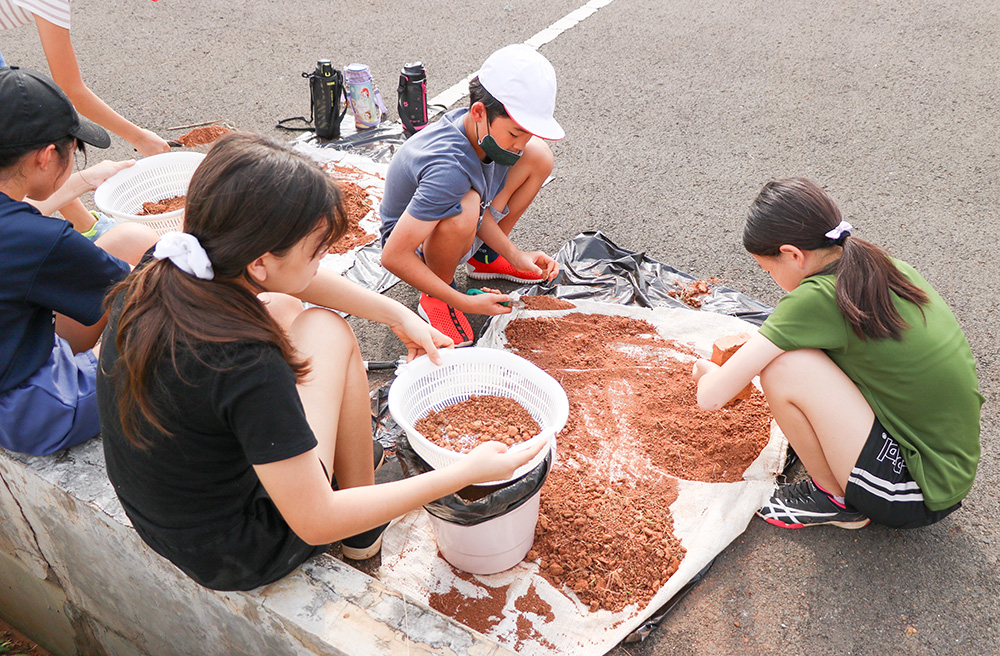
(880,486)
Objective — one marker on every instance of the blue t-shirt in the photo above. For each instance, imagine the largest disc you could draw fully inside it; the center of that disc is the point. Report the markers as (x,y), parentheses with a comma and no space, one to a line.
(433,170)
(45,267)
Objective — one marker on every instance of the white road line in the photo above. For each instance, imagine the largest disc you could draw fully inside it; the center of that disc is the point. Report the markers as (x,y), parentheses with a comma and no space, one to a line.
(458,91)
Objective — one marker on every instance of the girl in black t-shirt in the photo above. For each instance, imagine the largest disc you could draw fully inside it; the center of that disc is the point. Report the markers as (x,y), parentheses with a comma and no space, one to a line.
(226,407)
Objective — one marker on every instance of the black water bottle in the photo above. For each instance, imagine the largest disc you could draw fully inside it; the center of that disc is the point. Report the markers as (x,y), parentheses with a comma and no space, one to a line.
(326,90)
(412,103)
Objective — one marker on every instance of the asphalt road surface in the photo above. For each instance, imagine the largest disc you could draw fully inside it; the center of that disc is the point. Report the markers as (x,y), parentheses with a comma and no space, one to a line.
(676,113)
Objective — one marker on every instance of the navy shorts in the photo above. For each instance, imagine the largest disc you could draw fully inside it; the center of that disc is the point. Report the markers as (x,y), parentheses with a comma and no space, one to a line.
(54,409)
(880,486)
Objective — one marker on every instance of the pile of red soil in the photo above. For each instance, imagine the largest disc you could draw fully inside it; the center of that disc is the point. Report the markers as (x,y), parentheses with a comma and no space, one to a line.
(162,206)
(484,611)
(546,303)
(605,530)
(358,204)
(463,426)
(202,135)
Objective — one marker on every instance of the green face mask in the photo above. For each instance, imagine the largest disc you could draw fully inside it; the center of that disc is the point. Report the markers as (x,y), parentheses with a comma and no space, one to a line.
(493,150)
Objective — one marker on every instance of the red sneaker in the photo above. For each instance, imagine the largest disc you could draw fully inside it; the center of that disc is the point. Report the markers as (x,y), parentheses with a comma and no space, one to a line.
(499,268)
(445,318)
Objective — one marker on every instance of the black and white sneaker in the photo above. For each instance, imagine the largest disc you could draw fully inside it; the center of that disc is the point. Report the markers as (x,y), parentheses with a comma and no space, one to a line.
(363,545)
(802,504)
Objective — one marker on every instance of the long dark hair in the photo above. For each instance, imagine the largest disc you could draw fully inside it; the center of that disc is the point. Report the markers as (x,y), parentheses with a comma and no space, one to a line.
(249,196)
(796,211)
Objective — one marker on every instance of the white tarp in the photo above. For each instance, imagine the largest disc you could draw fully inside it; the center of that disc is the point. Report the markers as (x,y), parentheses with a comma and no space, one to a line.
(707,517)
(360,170)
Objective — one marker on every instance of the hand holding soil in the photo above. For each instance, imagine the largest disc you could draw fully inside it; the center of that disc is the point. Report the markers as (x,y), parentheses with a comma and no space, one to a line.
(494,461)
(702,367)
(536,262)
(722,350)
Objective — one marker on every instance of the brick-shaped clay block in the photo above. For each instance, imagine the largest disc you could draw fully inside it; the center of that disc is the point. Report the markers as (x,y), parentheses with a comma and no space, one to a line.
(723,349)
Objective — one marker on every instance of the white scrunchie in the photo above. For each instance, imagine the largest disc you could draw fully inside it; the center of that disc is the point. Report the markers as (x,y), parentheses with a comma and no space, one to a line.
(837,232)
(186,253)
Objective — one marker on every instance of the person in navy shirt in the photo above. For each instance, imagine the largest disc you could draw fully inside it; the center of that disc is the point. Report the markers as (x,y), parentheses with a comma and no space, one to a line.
(52,279)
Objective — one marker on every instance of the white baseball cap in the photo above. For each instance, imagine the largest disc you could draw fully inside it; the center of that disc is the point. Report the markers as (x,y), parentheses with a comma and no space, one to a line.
(524,81)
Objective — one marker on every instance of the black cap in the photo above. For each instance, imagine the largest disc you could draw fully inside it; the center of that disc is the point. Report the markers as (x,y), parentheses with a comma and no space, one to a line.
(36,112)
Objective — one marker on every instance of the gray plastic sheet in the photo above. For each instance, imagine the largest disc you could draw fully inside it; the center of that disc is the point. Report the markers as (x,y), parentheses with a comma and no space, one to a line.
(378,144)
(594,268)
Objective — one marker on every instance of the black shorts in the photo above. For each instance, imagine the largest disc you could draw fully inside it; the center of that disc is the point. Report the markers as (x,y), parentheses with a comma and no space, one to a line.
(880,486)
(261,549)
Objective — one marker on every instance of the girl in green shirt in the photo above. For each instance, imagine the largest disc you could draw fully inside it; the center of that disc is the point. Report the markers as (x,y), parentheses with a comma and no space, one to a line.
(864,366)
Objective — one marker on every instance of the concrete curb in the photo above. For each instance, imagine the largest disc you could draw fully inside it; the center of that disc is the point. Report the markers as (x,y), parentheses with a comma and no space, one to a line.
(74,555)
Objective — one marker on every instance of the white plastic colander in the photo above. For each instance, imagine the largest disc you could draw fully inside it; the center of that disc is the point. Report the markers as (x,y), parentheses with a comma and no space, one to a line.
(152,178)
(422,387)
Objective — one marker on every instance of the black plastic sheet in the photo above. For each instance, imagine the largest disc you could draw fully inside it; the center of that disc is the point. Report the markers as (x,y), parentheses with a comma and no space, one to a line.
(476,503)
(594,268)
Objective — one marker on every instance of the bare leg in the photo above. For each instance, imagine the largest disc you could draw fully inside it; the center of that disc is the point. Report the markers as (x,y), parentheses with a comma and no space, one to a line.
(282,307)
(126,241)
(335,395)
(524,181)
(452,238)
(77,214)
(822,413)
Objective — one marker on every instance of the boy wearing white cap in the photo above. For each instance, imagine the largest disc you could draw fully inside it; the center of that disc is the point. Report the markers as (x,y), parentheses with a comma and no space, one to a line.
(489,157)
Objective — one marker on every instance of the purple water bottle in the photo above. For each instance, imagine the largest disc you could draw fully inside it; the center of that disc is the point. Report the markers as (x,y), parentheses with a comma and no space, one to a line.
(366,102)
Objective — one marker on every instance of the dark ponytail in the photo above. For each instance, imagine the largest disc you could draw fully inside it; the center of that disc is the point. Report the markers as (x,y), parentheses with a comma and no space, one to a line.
(250,196)
(797,212)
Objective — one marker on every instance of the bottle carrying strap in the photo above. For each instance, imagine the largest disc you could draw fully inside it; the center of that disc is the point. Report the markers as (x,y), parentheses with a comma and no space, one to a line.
(283,123)
(341,82)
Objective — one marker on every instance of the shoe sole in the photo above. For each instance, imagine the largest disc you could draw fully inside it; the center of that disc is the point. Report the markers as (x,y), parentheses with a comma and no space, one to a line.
(471,272)
(423,315)
(861,523)
(352,553)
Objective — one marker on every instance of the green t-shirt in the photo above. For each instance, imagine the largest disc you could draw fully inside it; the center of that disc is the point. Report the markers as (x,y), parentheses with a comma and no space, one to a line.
(923,388)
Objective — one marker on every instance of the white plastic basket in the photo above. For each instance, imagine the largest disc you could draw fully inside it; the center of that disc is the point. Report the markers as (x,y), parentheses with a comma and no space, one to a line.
(422,387)
(152,178)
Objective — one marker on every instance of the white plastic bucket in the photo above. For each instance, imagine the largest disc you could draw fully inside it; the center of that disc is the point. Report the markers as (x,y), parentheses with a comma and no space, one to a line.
(492,546)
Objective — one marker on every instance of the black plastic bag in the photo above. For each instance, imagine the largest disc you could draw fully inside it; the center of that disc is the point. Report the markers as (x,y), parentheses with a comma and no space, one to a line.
(476,503)
(593,268)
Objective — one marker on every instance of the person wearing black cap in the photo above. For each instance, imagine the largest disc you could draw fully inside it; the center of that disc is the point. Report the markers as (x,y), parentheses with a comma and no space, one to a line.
(52,19)
(52,279)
